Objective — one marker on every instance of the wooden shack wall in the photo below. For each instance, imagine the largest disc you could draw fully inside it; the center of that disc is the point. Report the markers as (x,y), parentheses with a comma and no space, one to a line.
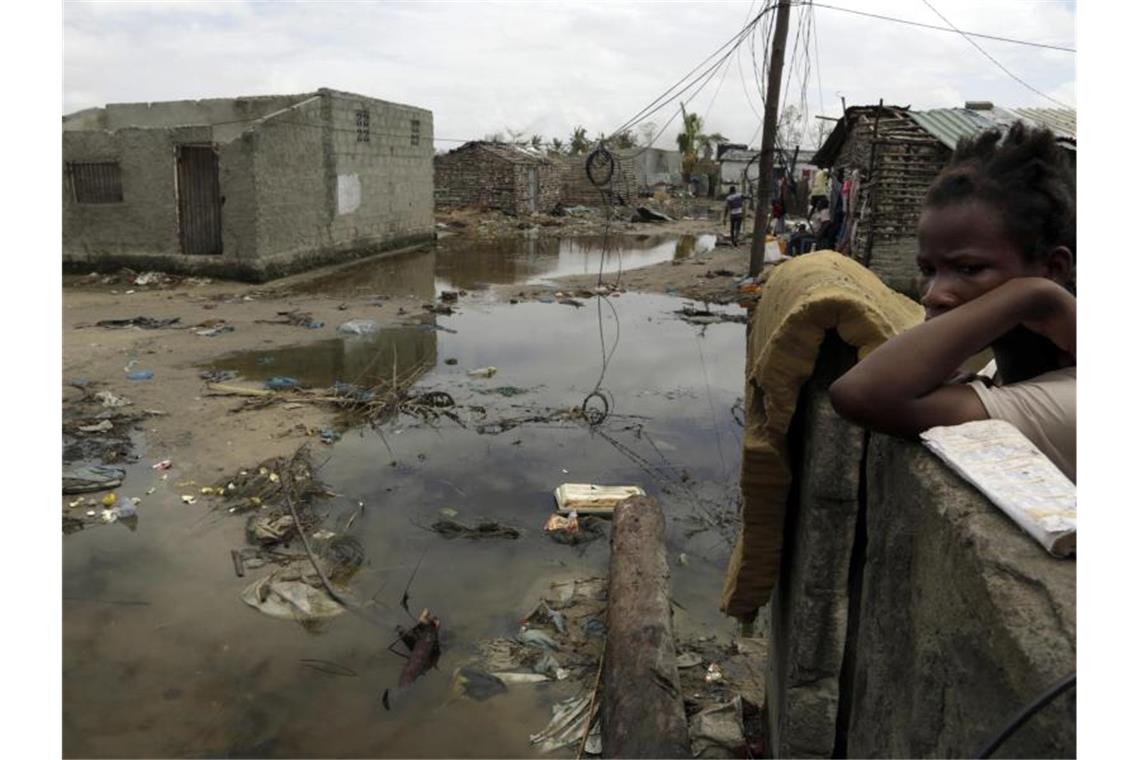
(907,159)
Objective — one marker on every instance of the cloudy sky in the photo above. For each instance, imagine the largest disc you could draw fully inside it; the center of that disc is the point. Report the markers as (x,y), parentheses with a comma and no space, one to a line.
(544,67)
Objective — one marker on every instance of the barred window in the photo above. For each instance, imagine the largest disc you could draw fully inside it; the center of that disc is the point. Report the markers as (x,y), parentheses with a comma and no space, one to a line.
(415,131)
(96,181)
(362,131)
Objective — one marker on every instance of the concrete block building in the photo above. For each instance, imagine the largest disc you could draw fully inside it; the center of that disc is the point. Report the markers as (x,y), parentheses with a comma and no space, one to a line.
(499,176)
(252,188)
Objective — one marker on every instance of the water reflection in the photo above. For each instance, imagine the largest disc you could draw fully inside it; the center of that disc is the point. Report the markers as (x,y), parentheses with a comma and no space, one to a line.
(364,360)
(405,274)
(474,265)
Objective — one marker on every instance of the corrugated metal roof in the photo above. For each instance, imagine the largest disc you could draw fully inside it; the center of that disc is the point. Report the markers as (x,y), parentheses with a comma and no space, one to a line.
(949,125)
(1063,121)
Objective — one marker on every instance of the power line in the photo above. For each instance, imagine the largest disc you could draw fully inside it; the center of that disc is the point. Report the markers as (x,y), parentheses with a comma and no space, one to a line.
(995,61)
(945,29)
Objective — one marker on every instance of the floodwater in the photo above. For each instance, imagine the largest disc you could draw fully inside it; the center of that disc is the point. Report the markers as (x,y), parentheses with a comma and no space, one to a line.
(161,656)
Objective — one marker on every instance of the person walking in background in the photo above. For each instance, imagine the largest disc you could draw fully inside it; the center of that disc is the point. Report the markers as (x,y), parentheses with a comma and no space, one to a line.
(734,213)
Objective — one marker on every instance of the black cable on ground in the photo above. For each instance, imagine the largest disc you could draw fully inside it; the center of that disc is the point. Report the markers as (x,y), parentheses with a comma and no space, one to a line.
(1030,710)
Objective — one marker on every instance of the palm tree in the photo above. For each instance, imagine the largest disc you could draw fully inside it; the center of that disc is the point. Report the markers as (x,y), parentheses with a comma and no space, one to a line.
(556,146)
(692,140)
(579,143)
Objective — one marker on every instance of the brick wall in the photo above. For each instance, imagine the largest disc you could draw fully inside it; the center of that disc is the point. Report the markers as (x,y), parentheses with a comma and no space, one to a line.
(471,176)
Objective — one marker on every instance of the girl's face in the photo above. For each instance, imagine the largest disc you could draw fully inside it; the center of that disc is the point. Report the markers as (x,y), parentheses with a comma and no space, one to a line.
(963,252)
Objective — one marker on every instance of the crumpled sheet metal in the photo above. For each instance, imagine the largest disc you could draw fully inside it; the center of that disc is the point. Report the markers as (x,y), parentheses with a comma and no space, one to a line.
(803,299)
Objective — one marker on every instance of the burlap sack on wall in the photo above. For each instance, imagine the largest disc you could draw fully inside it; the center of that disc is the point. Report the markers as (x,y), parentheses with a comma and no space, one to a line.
(803,299)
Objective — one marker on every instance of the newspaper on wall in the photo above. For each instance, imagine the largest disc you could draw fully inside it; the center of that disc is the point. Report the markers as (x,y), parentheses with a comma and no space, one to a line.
(1004,465)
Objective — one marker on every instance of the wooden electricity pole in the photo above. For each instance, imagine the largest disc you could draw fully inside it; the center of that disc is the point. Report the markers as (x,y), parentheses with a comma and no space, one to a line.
(768,140)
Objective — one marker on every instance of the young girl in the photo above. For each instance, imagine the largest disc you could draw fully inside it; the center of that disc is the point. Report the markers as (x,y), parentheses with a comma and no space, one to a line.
(996,250)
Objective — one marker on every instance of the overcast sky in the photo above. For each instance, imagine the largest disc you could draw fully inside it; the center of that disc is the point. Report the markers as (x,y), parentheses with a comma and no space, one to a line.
(544,67)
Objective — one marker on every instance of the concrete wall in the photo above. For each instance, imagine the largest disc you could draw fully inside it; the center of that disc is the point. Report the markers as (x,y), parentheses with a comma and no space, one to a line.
(229,116)
(146,222)
(912,618)
(298,189)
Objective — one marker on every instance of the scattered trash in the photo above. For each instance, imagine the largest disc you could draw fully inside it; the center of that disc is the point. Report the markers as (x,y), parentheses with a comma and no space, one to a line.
(188,498)
(109,500)
(449,512)
(270,529)
(99,427)
(571,718)
(143,323)
(594,626)
(536,638)
(572,530)
(483,372)
(506,391)
(585,498)
(359,327)
(92,478)
(688,660)
(329,436)
(473,683)
(695,316)
(108,399)
(483,529)
(162,465)
(154,278)
(714,674)
(718,731)
(509,678)
(294,318)
(644,214)
(451,362)
(292,593)
(281,383)
(140,374)
(422,642)
(125,511)
(449,295)
(216,329)
(349,390)
(218,375)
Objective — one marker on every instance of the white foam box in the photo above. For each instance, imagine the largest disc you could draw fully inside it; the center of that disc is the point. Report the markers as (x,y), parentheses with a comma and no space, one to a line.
(588,499)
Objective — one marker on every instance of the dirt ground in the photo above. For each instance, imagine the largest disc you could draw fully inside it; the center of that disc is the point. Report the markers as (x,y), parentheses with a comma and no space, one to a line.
(186,422)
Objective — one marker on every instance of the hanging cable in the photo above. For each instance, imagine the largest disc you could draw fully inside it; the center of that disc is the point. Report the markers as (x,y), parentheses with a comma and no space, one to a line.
(1028,712)
(995,61)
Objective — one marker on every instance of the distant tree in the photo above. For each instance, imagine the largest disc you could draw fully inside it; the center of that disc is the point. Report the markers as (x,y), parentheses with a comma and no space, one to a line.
(557,147)
(624,139)
(790,128)
(821,130)
(536,142)
(495,137)
(518,136)
(579,143)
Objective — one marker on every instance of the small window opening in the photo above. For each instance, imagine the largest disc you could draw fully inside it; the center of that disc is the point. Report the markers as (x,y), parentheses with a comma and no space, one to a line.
(362,127)
(96,182)
(415,131)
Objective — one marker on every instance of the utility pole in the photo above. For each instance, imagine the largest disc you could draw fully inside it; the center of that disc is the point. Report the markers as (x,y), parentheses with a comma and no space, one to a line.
(768,141)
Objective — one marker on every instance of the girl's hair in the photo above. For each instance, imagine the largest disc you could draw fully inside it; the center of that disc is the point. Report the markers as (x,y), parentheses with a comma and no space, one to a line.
(1025,176)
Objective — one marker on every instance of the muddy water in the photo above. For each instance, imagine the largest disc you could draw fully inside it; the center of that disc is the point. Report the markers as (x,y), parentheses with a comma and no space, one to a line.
(162,658)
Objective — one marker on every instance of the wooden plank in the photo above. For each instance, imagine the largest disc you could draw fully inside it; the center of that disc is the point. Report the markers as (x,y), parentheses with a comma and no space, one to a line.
(643,712)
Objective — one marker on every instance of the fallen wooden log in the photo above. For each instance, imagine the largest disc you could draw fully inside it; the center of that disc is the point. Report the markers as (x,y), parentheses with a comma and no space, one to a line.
(643,712)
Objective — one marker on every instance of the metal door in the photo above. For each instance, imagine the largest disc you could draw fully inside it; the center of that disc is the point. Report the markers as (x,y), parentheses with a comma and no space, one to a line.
(199,200)
(532,187)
